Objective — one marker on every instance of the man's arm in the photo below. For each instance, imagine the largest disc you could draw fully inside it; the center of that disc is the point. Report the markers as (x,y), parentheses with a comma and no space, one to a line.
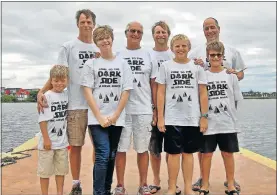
(203,95)
(160,106)
(154,88)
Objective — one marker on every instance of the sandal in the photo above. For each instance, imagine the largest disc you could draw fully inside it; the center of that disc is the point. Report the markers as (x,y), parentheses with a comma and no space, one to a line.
(237,186)
(203,192)
(153,187)
(232,192)
(178,191)
(197,185)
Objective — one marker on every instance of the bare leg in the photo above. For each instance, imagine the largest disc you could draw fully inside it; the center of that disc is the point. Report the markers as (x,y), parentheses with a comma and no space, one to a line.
(59,184)
(156,166)
(206,160)
(120,161)
(75,161)
(44,185)
(187,167)
(229,164)
(143,162)
(173,170)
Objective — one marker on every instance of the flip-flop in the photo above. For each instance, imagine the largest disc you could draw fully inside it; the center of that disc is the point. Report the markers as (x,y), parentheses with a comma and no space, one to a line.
(232,192)
(178,192)
(153,187)
(205,192)
(237,186)
(197,183)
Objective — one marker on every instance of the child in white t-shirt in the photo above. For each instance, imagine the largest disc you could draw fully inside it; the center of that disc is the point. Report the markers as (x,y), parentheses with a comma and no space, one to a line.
(182,105)
(53,141)
(223,93)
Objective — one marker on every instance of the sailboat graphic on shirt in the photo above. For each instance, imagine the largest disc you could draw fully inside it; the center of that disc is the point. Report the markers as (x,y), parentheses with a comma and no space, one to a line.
(60,133)
(139,85)
(216,110)
(135,80)
(111,95)
(210,107)
(179,99)
(106,99)
(174,97)
(53,130)
(225,108)
(116,98)
(189,99)
(220,106)
(185,94)
(100,96)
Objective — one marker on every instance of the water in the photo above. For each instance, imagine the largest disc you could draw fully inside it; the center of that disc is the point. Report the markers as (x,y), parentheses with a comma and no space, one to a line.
(257,122)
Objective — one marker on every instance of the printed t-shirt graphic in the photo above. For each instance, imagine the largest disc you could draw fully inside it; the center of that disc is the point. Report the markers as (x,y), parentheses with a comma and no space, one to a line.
(182,94)
(158,57)
(142,68)
(108,79)
(223,91)
(74,54)
(55,114)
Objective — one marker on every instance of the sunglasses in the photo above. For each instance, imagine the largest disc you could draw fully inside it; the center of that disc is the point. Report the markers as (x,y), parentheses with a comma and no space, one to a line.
(133,31)
(219,55)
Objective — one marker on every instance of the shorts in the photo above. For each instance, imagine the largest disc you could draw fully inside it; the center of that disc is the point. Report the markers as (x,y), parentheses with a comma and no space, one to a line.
(139,127)
(182,139)
(77,121)
(156,141)
(227,142)
(52,162)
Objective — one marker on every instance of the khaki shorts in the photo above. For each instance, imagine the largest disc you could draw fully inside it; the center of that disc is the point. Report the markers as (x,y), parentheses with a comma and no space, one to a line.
(77,122)
(52,162)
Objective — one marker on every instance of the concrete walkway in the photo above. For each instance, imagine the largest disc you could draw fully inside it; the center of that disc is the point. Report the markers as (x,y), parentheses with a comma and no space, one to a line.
(255,178)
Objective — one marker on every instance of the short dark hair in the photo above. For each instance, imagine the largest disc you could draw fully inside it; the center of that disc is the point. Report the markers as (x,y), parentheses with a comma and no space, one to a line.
(88,13)
(163,25)
(215,20)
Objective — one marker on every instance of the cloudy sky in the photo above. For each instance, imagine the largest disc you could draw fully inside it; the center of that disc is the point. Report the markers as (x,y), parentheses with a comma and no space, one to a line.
(32,33)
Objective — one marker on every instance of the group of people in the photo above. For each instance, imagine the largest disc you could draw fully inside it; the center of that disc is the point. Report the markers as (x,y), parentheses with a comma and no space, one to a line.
(166,99)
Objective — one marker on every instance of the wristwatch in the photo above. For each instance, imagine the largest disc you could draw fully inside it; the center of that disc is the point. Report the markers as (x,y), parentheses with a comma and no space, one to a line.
(205,115)
(153,107)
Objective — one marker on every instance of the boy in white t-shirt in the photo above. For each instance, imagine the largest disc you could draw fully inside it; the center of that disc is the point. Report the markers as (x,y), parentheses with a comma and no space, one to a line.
(53,141)
(224,93)
(182,105)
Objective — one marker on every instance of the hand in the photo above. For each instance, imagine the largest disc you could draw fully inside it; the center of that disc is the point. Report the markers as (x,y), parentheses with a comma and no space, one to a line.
(231,71)
(113,119)
(97,55)
(104,121)
(161,125)
(47,144)
(203,124)
(154,118)
(41,102)
(198,61)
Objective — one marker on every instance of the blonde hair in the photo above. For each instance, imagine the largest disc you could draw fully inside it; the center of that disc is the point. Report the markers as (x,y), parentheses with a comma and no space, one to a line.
(163,25)
(215,45)
(102,32)
(59,71)
(179,37)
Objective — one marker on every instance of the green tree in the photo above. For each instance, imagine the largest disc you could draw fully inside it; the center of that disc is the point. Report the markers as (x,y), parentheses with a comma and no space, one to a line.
(8,98)
(33,96)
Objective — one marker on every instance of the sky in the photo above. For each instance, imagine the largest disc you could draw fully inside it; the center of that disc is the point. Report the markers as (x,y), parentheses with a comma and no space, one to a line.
(32,33)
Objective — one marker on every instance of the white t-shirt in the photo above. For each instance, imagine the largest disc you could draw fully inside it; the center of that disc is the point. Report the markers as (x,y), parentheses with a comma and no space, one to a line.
(182,106)
(142,68)
(158,57)
(233,58)
(74,54)
(223,91)
(108,79)
(55,115)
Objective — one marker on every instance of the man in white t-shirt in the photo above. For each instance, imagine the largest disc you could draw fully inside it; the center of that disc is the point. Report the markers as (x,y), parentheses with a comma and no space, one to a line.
(159,54)
(74,54)
(139,113)
(232,61)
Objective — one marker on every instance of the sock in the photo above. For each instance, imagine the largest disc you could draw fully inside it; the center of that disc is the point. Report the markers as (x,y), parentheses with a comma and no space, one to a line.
(75,182)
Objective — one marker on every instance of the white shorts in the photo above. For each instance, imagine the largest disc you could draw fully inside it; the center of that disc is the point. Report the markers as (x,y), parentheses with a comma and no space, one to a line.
(139,127)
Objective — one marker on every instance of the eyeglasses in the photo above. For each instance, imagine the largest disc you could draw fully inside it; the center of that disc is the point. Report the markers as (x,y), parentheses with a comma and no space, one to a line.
(133,31)
(219,55)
